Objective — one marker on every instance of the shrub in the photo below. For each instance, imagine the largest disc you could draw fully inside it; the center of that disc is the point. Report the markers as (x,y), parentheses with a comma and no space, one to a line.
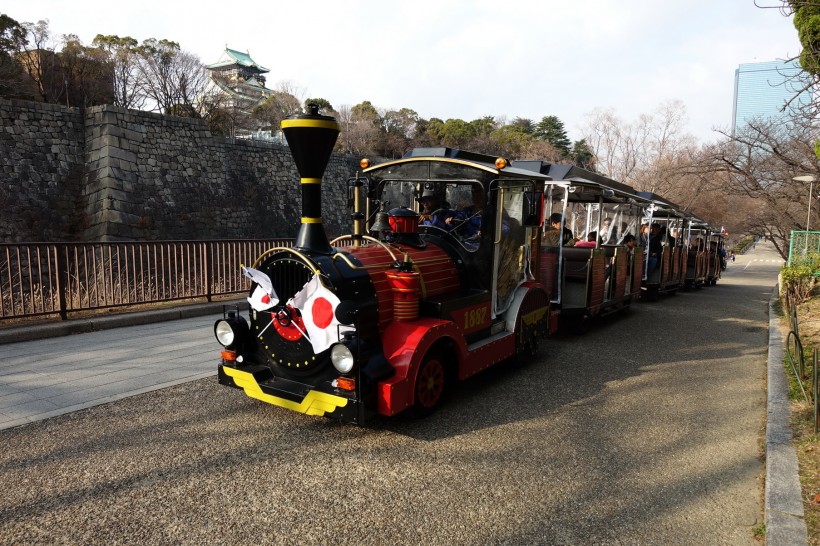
(800,278)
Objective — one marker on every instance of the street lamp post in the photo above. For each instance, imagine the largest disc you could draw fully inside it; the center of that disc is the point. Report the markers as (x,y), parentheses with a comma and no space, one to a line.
(810,179)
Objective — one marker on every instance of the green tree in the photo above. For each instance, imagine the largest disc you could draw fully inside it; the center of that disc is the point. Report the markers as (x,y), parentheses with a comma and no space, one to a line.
(122,54)
(275,108)
(156,72)
(366,112)
(525,125)
(482,141)
(456,133)
(485,125)
(399,128)
(551,129)
(361,128)
(432,134)
(87,73)
(582,155)
(807,23)
(41,63)
(12,42)
(511,141)
(324,105)
(12,35)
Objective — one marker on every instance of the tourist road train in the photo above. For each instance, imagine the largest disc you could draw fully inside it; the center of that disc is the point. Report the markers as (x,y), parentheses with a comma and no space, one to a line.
(419,296)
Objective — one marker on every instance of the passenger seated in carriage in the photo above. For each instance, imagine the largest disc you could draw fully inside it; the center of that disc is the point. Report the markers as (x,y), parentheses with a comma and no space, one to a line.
(630,242)
(554,236)
(590,242)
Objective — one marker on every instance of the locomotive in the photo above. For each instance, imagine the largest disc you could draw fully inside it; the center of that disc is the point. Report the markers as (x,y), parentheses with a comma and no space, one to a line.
(381,324)
(386,319)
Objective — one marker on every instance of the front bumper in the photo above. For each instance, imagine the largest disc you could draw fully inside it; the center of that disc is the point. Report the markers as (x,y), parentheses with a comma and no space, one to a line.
(259,383)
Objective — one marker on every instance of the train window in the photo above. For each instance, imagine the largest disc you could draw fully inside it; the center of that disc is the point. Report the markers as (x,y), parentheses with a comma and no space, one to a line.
(609,222)
(467,201)
(617,221)
(397,193)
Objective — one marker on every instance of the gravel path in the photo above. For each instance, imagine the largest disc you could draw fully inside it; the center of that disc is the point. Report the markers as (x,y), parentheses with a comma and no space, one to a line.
(646,430)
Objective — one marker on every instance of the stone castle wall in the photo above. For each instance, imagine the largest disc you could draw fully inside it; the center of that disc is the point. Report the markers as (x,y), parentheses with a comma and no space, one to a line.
(108,173)
(42,161)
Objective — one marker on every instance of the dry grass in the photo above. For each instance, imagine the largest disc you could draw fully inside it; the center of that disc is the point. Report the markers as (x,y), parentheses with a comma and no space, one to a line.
(806,440)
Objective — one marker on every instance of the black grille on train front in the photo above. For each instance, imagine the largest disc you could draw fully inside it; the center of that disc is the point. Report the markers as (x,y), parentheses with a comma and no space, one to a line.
(288,276)
(287,353)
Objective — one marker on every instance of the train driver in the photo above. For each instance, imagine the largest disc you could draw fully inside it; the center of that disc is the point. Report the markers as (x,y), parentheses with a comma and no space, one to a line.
(433,211)
(468,221)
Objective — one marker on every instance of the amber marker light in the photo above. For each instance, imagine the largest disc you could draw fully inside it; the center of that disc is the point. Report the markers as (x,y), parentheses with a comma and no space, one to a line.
(346,383)
(229,355)
(500,163)
(364,163)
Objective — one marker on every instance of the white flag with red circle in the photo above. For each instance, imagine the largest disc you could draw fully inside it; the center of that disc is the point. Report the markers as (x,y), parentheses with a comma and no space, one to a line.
(318,305)
(264,296)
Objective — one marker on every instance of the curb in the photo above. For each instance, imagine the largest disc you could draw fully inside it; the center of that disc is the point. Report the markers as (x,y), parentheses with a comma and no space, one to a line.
(785,523)
(33,332)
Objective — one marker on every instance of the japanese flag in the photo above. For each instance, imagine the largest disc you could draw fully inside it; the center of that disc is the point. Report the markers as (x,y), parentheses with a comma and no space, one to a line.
(318,306)
(263,297)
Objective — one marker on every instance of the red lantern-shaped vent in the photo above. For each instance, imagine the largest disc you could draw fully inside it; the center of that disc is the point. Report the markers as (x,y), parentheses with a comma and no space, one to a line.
(406,288)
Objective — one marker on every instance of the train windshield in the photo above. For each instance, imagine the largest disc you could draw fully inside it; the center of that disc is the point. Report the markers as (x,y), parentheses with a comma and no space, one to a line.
(452,207)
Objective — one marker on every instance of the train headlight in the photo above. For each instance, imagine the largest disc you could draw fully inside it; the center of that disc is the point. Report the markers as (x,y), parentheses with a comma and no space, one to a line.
(342,358)
(231,330)
(223,332)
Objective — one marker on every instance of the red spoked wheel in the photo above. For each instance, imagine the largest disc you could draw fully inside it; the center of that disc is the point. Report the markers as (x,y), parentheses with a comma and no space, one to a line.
(431,384)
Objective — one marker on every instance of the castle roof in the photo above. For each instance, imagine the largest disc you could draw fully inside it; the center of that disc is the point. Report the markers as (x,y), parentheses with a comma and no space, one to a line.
(232,57)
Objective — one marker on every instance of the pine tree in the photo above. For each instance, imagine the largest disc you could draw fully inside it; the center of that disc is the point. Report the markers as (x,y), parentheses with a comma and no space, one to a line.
(551,129)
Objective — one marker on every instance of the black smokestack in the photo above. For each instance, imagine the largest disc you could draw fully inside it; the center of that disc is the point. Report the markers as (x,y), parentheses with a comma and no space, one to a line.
(311,138)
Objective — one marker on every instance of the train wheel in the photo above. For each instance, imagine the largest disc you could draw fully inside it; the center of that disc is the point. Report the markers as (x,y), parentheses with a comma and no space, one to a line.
(527,346)
(651,293)
(431,384)
(581,325)
(531,345)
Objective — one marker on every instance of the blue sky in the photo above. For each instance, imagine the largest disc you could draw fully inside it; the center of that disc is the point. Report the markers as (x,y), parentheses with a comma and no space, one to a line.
(468,58)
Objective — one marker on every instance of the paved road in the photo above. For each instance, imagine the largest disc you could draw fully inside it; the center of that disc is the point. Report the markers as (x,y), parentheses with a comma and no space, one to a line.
(646,430)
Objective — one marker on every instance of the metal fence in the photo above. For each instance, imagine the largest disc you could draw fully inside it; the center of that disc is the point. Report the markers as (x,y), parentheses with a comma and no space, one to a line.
(803,243)
(794,349)
(60,278)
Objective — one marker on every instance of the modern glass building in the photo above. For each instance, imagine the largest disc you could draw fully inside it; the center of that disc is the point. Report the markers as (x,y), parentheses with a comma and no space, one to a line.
(762,91)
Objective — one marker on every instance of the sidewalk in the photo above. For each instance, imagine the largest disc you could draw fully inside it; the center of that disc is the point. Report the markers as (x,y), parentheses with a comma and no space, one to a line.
(45,371)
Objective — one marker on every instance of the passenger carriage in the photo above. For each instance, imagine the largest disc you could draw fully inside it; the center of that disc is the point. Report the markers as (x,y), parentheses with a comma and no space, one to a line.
(697,242)
(665,222)
(589,278)
(716,256)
